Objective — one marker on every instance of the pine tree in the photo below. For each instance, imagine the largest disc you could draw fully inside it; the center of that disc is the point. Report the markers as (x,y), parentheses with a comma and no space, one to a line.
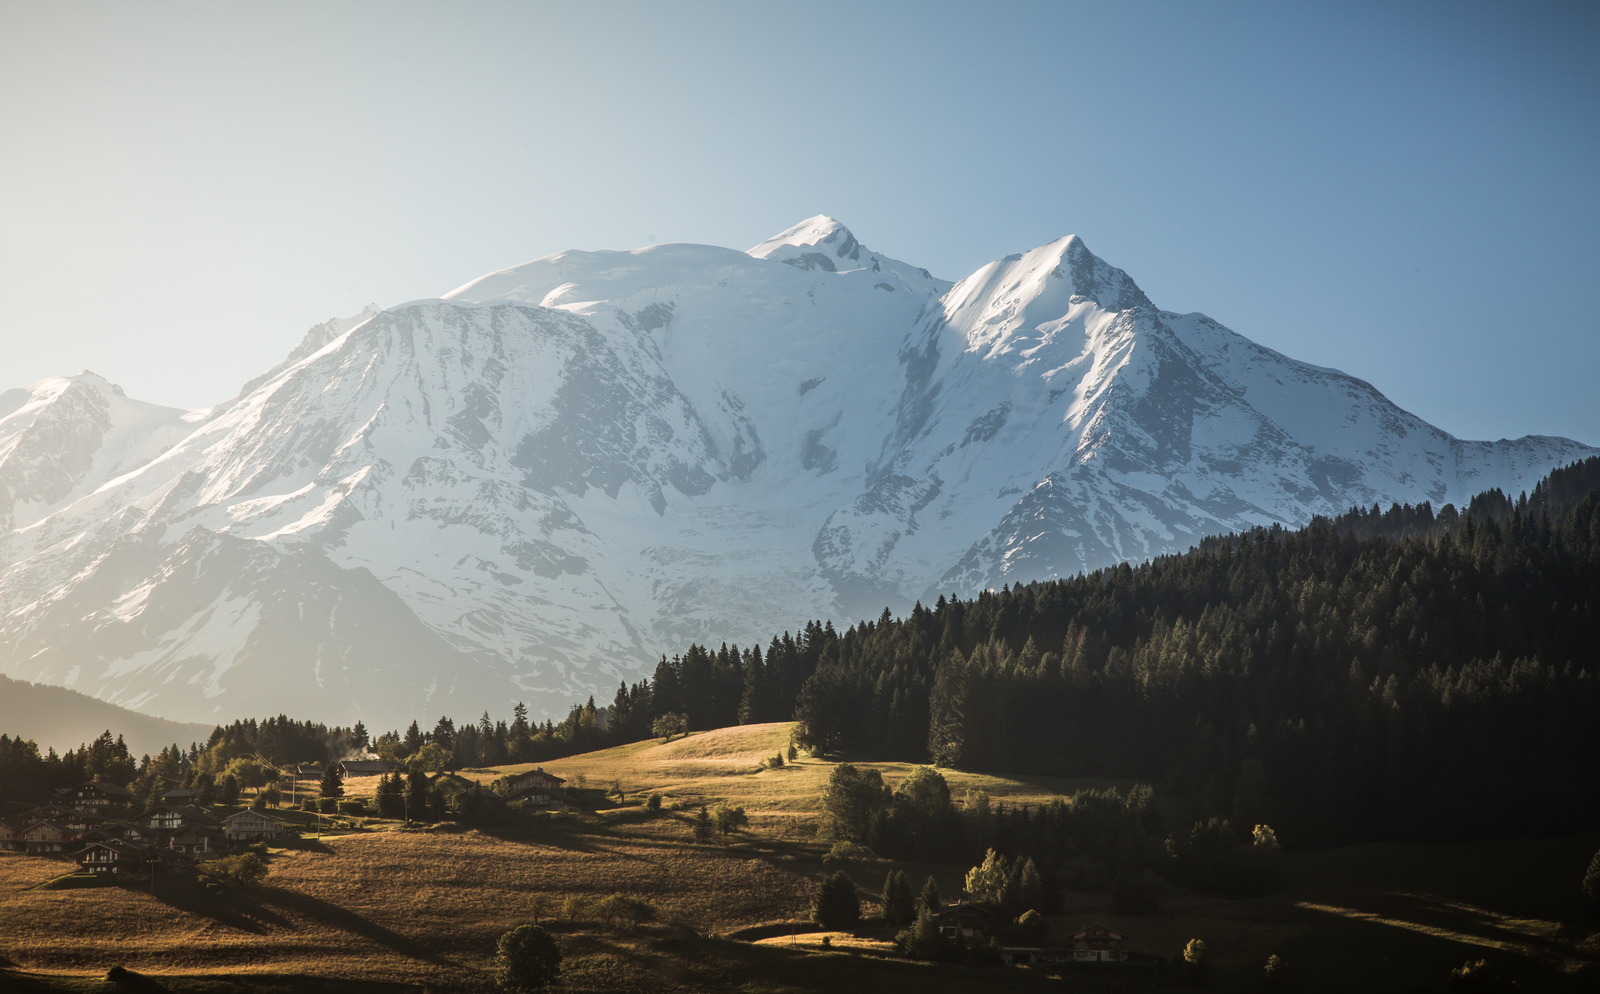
(930,899)
(899,904)
(834,905)
(332,781)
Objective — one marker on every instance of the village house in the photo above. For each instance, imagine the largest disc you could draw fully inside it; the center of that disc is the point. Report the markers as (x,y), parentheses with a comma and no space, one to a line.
(197,842)
(965,919)
(46,837)
(10,840)
(534,778)
(1097,943)
(179,796)
(252,825)
(365,768)
(98,796)
(113,856)
(308,772)
(171,817)
(540,799)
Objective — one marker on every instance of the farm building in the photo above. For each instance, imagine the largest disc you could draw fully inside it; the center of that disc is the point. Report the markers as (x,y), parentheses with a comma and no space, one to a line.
(540,799)
(534,778)
(965,919)
(1097,943)
(366,768)
(252,825)
(98,796)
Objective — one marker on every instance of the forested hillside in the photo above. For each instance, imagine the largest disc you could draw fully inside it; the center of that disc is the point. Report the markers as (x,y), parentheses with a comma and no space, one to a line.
(1392,674)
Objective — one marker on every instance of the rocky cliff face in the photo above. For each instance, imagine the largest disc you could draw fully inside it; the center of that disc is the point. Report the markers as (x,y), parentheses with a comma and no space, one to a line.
(532,486)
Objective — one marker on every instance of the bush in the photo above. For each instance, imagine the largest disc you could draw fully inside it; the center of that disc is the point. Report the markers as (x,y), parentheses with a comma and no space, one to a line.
(357,807)
(654,803)
(669,726)
(1196,960)
(728,819)
(527,958)
(1590,887)
(1276,971)
(574,906)
(794,753)
(391,805)
(309,804)
(328,805)
(244,870)
(835,906)
(848,852)
(629,911)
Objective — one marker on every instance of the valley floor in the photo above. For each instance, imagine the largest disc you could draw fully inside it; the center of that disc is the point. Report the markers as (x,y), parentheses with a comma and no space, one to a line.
(392,909)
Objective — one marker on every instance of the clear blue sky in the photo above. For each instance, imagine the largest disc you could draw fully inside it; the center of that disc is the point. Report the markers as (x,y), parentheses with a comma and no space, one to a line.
(1408,192)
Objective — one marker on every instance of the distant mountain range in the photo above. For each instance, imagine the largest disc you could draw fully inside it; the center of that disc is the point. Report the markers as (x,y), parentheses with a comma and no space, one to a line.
(60,718)
(531,487)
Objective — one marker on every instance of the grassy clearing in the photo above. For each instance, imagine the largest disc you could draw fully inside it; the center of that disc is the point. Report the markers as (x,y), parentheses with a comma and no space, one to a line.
(420,910)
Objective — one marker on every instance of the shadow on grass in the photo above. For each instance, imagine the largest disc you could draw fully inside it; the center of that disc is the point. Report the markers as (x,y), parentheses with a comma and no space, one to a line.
(230,908)
(333,916)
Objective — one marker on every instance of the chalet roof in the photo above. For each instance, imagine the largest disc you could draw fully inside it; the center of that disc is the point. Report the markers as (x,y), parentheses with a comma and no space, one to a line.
(247,815)
(967,910)
(366,767)
(104,787)
(1100,927)
(455,778)
(536,773)
(180,793)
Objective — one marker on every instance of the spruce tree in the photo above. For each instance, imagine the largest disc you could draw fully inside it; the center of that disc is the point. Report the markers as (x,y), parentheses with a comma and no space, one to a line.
(834,905)
(899,903)
(1591,885)
(930,899)
(332,781)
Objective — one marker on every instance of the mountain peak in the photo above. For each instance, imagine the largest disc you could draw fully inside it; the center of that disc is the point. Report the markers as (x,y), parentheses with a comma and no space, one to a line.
(821,234)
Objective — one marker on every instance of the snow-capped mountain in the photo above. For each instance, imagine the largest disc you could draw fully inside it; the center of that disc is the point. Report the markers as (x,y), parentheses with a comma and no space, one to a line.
(531,487)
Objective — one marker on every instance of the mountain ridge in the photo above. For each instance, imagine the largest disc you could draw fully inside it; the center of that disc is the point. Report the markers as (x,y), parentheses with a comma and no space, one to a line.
(533,486)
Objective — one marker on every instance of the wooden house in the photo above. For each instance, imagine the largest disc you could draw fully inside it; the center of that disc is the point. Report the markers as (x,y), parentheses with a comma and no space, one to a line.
(964,918)
(365,768)
(540,799)
(10,837)
(100,797)
(200,843)
(1098,944)
(534,778)
(113,856)
(179,796)
(253,825)
(307,772)
(45,837)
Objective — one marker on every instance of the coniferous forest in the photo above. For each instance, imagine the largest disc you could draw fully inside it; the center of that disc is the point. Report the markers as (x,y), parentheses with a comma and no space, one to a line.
(1398,674)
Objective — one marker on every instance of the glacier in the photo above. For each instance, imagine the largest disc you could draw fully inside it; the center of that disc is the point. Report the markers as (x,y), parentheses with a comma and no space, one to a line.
(533,486)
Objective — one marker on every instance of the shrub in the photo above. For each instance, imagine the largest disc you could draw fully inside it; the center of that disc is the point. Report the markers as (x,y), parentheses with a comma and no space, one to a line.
(629,911)
(244,870)
(328,805)
(669,726)
(728,819)
(835,906)
(794,753)
(1196,959)
(848,852)
(776,762)
(1590,887)
(357,807)
(574,906)
(1276,971)
(527,958)
(654,803)
(309,804)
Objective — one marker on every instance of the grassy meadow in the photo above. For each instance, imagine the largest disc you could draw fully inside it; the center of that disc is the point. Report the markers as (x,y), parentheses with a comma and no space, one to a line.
(386,908)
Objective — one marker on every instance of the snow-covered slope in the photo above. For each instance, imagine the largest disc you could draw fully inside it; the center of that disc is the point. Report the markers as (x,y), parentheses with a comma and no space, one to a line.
(532,486)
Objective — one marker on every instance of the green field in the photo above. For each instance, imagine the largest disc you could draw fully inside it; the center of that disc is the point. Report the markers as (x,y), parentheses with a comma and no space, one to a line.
(384,908)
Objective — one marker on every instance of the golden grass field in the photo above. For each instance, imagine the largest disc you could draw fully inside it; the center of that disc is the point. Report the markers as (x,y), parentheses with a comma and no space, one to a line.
(391,909)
